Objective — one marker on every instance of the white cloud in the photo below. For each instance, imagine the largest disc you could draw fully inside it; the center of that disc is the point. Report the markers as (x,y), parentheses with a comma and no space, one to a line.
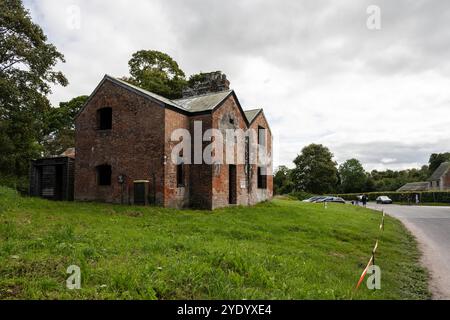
(315,68)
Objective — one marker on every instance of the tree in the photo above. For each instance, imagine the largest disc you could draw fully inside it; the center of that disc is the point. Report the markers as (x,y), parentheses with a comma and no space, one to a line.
(315,171)
(436,159)
(60,132)
(353,177)
(27,64)
(282,181)
(156,72)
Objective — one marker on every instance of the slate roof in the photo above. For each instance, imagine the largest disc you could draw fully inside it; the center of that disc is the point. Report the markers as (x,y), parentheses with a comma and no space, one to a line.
(414,186)
(144,92)
(251,114)
(440,171)
(203,102)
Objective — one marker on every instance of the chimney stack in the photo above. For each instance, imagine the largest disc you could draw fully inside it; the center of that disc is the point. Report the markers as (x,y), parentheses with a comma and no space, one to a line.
(206,83)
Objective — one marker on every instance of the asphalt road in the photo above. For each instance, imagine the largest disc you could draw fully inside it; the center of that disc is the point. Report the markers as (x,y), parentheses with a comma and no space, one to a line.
(431,227)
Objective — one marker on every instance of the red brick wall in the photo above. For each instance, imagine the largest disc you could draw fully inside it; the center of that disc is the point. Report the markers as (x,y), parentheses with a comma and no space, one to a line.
(258,195)
(134,147)
(174,196)
(139,147)
(220,179)
(446,184)
(200,174)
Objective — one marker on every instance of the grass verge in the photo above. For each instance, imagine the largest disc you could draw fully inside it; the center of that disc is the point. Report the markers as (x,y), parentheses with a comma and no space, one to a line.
(278,250)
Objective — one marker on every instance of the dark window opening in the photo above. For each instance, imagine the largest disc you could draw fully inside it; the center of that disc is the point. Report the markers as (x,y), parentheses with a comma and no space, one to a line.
(262,179)
(232,188)
(261,136)
(104,175)
(231,121)
(104,119)
(247,158)
(180,175)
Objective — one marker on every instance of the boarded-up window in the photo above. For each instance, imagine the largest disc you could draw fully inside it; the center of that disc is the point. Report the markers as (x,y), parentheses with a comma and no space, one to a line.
(262,178)
(104,119)
(104,175)
(180,175)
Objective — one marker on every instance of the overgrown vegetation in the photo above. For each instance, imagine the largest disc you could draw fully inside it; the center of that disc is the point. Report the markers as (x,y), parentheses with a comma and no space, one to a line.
(278,250)
(27,72)
(315,172)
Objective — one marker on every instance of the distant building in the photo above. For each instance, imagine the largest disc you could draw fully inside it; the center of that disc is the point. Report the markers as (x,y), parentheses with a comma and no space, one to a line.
(414,186)
(439,181)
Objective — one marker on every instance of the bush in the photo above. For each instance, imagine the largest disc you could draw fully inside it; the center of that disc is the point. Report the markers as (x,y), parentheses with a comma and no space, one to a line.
(17,183)
(424,196)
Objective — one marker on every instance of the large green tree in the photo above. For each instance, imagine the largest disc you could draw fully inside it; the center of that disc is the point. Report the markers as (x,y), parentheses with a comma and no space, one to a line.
(352,176)
(315,171)
(436,159)
(27,63)
(157,72)
(61,126)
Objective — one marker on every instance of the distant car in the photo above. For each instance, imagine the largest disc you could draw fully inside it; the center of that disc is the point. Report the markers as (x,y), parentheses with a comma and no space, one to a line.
(330,199)
(384,200)
(313,199)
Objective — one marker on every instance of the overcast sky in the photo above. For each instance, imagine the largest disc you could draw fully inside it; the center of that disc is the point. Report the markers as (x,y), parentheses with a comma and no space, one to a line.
(321,75)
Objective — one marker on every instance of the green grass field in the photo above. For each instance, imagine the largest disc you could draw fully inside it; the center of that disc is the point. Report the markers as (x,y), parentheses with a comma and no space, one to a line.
(278,250)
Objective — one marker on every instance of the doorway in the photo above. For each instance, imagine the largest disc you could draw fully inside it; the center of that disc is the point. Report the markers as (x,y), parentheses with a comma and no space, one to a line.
(140,192)
(232,196)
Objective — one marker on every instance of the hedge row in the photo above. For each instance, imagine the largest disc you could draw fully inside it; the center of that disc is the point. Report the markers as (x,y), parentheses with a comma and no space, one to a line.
(424,196)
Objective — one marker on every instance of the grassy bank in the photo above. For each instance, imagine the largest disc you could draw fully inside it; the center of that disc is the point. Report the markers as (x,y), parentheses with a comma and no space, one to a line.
(279,250)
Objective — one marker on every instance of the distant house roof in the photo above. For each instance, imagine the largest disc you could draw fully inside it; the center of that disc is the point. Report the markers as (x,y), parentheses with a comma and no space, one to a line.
(203,102)
(414,186)
(251,114)
(440,171)
(70,152)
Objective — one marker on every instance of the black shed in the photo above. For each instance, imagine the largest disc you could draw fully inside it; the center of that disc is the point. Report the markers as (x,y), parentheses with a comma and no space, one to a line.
(52,178)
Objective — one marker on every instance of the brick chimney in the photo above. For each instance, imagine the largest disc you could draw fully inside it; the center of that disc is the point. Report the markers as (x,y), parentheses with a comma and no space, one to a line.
(208,82)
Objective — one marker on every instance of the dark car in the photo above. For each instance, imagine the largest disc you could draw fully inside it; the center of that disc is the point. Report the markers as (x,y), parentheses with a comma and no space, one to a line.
(330,199)
(384,200)
(314,199)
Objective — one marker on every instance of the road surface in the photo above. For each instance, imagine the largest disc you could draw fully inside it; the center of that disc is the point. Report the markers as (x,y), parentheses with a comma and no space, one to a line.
(431,227)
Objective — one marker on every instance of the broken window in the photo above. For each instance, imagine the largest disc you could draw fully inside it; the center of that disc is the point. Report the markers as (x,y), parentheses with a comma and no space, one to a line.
(180,175)
(104,119)
(104,175)
(262,178)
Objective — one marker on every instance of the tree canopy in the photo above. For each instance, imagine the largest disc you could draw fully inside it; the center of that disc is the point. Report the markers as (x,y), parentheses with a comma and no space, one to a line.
(27,63)
(315,171)
(352,176)
(60,133)
(157,72)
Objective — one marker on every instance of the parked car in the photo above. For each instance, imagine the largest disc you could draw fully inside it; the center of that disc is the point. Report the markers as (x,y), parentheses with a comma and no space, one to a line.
(384,200)
(313,199)
(330,199)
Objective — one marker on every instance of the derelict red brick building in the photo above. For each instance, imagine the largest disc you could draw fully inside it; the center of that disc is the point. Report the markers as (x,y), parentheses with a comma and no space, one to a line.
(123,148)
